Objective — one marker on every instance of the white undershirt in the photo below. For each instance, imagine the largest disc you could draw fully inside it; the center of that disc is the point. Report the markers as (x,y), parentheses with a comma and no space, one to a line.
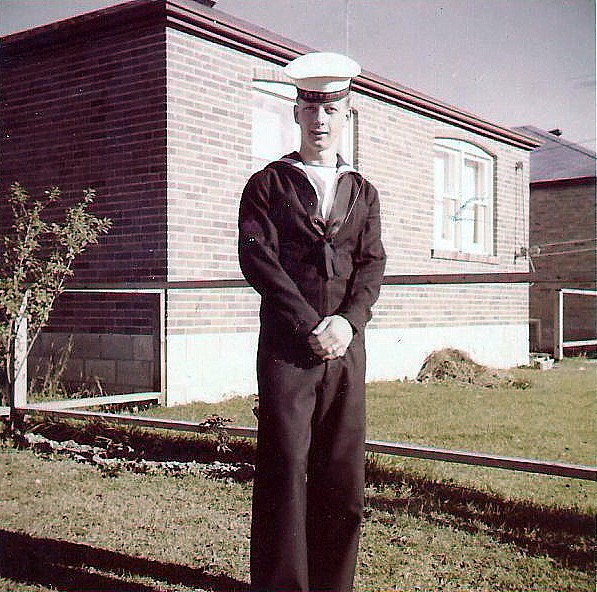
(323,178)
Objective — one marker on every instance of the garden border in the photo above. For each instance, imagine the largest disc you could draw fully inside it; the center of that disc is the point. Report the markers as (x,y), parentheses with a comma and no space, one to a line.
(64,408)
(392,448)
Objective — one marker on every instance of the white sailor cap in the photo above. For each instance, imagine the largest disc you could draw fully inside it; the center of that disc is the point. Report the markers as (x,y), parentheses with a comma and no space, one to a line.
(322,76)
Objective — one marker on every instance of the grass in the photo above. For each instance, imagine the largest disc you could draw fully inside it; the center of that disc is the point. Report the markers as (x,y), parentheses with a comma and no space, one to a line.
(428,526)
(553,419)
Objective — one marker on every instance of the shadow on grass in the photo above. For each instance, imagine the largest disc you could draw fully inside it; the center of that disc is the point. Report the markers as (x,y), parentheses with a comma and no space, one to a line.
(563,535)
(71,567)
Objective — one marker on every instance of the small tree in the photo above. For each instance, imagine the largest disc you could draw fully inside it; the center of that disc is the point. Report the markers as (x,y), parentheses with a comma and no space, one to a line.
(35,260)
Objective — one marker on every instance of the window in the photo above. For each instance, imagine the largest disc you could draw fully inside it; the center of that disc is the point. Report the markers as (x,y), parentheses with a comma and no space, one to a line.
(274,131)
(463,192)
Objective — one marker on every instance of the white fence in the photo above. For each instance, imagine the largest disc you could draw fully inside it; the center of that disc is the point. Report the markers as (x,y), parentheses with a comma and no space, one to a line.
(18,405)
(558,329)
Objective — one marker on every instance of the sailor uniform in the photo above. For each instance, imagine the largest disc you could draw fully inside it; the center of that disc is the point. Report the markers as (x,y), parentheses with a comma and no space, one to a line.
(309,483)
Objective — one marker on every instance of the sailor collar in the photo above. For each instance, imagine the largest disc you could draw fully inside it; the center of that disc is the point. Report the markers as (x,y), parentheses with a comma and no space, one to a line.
(293,159)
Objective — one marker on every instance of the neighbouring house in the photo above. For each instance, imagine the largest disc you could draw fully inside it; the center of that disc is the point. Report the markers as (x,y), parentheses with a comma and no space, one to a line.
(562,237)
(166,107)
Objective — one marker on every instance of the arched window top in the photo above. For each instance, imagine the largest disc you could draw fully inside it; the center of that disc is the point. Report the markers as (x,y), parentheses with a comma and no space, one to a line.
(462,146)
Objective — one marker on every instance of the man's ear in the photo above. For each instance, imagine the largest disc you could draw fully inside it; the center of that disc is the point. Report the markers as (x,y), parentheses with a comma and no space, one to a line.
(295,113)
(348,108)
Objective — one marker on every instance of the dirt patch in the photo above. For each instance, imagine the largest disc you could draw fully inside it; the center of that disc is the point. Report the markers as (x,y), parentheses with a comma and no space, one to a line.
(455,366)
(113,459)
(113,449)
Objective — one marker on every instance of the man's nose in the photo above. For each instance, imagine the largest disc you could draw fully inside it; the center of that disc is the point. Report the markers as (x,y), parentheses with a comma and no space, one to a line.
(319,115)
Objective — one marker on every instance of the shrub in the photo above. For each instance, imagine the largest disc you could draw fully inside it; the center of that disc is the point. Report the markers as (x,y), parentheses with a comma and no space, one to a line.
(36,258)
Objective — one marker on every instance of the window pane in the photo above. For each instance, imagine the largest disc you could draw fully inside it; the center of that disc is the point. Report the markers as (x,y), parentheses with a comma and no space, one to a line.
(439,174)
(451,177)
(471,189)
(445,173)
(449,219)
(445,193)
(470,197)
(479,225)
(274,131)
(463,196)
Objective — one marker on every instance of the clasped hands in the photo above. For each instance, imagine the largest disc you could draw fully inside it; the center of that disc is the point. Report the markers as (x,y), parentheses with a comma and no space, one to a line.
(331,338)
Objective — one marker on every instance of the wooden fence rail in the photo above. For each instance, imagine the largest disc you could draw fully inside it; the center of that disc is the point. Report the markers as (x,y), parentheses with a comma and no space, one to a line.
(392,448)
(64,409)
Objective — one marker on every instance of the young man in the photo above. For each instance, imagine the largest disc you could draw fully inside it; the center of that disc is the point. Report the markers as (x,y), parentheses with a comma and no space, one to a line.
(310,244)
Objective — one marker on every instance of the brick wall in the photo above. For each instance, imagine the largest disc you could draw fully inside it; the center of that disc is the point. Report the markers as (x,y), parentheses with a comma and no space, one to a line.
(158,120)
(125,313)
(209,154)
(396,153)
(88,110)
(209,111)
(209,160)
(562,213)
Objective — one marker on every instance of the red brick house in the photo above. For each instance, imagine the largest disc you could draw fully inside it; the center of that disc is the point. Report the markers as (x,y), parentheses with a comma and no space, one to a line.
(562,237)
(166,107)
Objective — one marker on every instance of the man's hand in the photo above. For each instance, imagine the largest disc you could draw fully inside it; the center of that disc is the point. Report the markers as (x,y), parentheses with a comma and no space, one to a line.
(331,338)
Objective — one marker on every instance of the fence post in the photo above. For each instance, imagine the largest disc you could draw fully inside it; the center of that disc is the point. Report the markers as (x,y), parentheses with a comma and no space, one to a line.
(163,348)
(18,370)
(558,325)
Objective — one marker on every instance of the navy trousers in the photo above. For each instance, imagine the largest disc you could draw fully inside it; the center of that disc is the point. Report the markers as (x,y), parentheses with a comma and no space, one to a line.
(308,493)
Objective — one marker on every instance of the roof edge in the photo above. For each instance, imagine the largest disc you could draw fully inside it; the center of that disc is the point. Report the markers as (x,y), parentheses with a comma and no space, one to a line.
(221,28)
(127,13)
(570,180)
(544,136)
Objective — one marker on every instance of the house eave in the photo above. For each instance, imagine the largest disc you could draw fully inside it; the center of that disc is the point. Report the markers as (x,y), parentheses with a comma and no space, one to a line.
(559,181)
(126,15)
(218,27)
(222,28)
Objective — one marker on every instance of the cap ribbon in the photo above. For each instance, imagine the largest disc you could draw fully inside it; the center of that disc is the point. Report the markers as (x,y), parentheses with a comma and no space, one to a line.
(313,96)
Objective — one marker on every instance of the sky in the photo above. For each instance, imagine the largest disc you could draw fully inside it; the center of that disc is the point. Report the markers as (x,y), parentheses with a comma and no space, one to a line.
(511,62)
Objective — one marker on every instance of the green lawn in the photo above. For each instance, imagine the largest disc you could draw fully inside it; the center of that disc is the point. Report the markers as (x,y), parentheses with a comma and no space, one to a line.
(553,419)
(429,526)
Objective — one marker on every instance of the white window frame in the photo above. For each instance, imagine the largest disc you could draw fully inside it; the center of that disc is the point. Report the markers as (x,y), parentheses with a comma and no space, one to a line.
(274,132)
(270,144)
(463,213)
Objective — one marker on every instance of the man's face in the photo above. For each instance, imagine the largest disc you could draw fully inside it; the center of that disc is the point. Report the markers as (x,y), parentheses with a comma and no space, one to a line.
(321,123)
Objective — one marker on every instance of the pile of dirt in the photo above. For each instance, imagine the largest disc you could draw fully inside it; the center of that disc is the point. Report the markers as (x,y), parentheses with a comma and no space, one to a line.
(454,366)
